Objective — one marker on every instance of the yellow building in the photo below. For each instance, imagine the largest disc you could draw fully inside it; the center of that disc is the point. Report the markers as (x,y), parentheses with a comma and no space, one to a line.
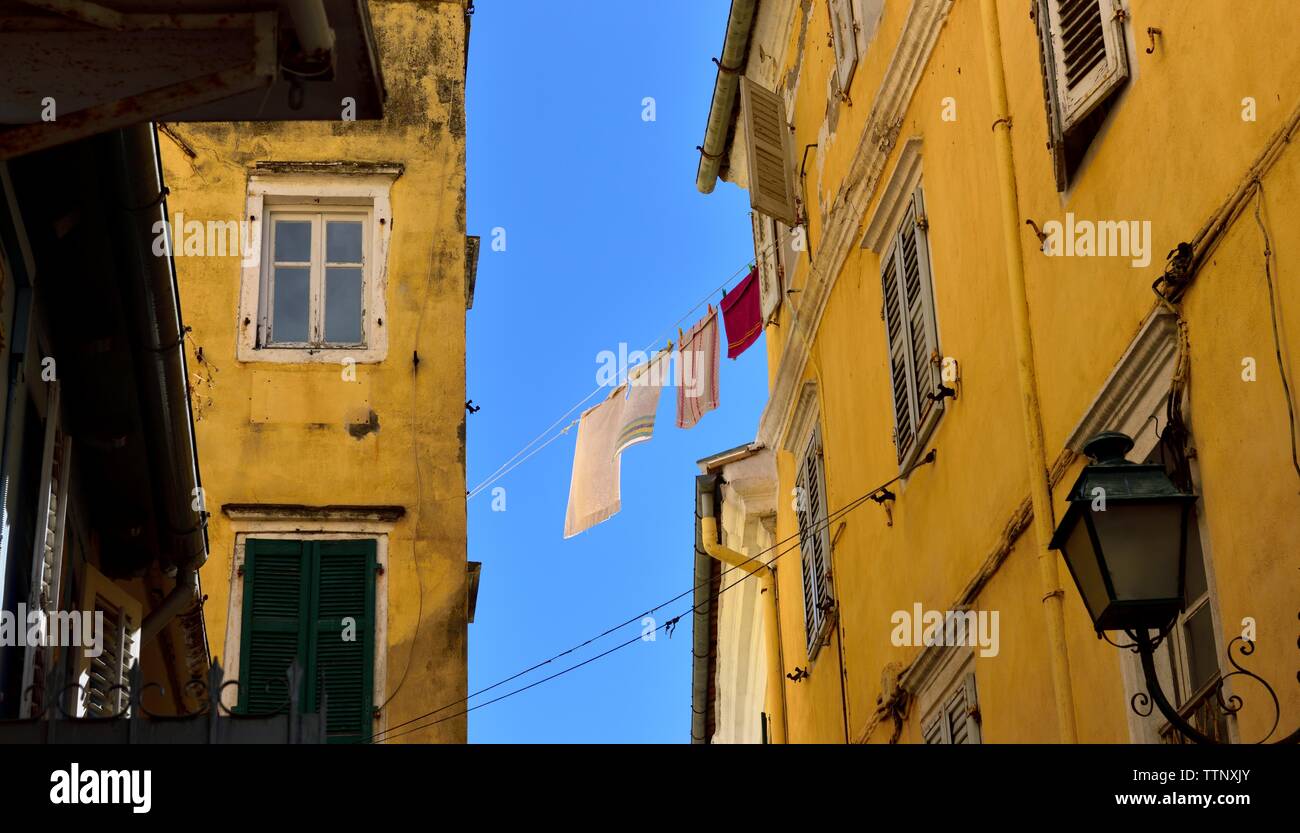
(325,273)
(982,201)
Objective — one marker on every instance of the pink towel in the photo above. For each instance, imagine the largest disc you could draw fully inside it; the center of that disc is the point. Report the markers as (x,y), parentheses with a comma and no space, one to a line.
(697,361)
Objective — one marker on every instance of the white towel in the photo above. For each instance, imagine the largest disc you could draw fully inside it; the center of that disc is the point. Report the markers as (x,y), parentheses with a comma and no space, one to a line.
(593,487)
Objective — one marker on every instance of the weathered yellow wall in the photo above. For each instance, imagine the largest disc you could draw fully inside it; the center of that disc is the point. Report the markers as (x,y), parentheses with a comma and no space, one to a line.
(1172,150)
(278,433)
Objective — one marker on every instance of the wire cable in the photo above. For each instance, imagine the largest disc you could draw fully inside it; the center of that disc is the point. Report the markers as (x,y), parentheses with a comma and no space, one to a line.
(817,526)
(1272,309)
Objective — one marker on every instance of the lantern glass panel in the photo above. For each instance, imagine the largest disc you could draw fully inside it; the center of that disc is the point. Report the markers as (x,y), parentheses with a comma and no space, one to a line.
(1082,560)
(1141,543)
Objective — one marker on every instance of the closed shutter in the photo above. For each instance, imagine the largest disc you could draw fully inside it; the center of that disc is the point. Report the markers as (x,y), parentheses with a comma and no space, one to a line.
(1087,46)
(276,587)
(344,654)
(104,679)
(844,35)
(814,541)
(956,720)
(314,601)
(907,290)
(771,185)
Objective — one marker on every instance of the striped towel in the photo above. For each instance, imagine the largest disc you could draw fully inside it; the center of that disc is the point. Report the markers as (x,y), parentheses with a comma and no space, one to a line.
(697,360)
(643,392)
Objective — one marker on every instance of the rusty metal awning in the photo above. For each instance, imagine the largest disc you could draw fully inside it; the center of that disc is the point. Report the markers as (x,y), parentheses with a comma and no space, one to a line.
(73,68)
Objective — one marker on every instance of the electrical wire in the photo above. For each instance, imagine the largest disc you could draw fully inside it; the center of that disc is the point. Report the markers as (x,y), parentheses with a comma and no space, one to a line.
(514,460)
(1272,309)
(817,526)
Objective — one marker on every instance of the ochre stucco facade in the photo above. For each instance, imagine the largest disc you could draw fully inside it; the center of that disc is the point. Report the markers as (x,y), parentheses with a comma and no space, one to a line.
(305,444)
(1177,141)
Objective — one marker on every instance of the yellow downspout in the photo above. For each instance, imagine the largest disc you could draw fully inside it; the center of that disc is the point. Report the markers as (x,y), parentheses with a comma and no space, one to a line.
(1039,485)
(767,589)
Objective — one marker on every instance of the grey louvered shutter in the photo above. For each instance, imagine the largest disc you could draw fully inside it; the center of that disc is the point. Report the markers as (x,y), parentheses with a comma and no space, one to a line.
(918,292)
(814,541)
(961,713)
(844,36)
(771,185)
(1087,46)
(899,361)
(910,325)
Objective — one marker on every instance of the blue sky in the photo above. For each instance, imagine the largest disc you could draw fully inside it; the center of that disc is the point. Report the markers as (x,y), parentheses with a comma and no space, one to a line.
(607,242)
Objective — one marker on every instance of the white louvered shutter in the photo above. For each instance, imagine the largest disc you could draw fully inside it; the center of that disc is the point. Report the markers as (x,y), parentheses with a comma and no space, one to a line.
(767,256)
(1055,133)
(771,185)
(1087,46)
(844,36)
(103,679)
(47,554)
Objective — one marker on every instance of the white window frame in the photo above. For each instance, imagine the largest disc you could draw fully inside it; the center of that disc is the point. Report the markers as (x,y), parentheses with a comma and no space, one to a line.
(316,193)
(318,217)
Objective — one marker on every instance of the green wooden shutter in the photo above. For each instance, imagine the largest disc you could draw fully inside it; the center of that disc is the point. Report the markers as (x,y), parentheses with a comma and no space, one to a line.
(275,608)
(344,588)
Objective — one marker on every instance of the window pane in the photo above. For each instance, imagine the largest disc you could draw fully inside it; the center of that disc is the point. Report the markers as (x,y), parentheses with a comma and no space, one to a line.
(342,242)
(342,305)
(1202,664)
(292,289)
(1195,580)
(292,241)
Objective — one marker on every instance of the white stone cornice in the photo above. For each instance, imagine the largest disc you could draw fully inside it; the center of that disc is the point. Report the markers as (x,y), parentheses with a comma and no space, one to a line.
(879,135)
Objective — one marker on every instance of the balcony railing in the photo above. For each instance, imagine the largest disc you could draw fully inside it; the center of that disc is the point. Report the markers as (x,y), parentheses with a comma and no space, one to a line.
(133,723)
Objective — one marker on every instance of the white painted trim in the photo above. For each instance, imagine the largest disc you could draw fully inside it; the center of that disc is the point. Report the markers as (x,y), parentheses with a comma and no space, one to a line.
(879,135)
(369,191)
(309,531)
(945,670)
(1136,387)
(894,198)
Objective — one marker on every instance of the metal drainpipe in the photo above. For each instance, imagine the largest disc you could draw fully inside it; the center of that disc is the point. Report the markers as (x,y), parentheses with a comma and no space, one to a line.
(766,576)
(734,49)
(311,24)
(1040,490)
(150,293)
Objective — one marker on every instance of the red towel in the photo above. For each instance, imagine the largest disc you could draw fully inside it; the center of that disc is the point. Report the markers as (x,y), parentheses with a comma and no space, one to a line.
(742,311)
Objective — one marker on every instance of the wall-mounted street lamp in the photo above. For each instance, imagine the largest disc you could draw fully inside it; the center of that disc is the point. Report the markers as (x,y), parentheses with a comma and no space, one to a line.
(1124,540)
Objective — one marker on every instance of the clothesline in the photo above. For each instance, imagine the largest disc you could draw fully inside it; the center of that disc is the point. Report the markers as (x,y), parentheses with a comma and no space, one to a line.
(528,451)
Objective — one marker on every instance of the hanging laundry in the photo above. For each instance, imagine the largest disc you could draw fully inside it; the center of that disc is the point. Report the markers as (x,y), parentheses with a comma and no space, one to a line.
(594,484)
(697,364)
(743,313)
(644,385)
